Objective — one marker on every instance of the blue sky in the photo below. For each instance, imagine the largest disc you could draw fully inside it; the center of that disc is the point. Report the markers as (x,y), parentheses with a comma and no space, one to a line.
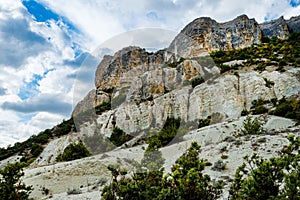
(294,3)
(47,48)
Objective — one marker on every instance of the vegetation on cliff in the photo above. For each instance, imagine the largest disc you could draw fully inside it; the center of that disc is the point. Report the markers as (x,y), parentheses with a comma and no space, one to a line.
(272,51)
(31,148)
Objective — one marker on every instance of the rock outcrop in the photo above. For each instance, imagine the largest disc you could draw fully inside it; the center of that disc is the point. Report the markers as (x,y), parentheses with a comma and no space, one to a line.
(294,24)
(205,35)
(275,28)
(117,71)
(280,27)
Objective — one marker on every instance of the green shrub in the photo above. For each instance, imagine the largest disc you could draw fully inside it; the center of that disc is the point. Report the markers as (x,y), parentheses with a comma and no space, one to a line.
(282,63)
(244,112)
(252,127)
(197,81)
(224,68)
(41,138)
(11,187)
(269,49)
(102,107)
(119,137)
(258,102)
(73,152)
(260,67)
(265,39)
(185,181)
(287,108)
(260,110)
(166,135)
(236,74)
(204,122)
(274,101)
(274,178)
(109,90)
(176,63)
(36,150)
(280,69)
(219,165)
(74,191)
(269,83)
(65,127)
(224,156)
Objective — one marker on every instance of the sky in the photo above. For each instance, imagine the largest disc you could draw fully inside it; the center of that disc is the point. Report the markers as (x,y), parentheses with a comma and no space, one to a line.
(49,50)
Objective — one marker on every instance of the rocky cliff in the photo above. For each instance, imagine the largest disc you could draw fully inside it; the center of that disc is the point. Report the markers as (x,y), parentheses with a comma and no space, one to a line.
(280,27)
(149,87)
(205,34)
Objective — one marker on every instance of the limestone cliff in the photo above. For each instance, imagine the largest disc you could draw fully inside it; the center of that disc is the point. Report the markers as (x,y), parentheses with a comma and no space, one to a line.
(205,34)
(145,88)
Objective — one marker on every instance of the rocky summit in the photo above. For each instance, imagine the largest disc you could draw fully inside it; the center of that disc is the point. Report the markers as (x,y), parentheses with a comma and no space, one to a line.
(209,78)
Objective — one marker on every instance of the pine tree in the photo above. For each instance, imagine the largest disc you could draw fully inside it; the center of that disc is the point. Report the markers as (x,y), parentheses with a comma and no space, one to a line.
(11,187)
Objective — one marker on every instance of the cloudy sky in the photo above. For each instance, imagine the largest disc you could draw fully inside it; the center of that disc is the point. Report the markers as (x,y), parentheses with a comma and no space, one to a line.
(43,44)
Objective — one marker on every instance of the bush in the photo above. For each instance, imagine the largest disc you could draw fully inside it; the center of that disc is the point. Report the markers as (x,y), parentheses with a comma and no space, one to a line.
(65,127)
(73,152)
(102,107)
(269,83)
(224,68)
(11,187)
(219,165)
(260,110)
(287,108)
(274,178)
(244,112)
(282,63)
(252,127)
(185,181)
(258,102)
(166,135)
(119,137)
(74,191)
(260,67)
(36,150)
(280,69)
(204,122)
(197,81)
(176,63)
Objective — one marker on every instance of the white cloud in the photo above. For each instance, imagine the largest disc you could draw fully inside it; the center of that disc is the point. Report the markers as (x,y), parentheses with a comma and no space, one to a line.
(29,48)
(103,19)
(291,12)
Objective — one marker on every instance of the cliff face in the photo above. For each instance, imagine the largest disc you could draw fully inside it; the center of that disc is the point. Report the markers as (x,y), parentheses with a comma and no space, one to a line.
(205,34)
(294,24)
(280,27)
(128,62)
(149,87)
(225,98)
